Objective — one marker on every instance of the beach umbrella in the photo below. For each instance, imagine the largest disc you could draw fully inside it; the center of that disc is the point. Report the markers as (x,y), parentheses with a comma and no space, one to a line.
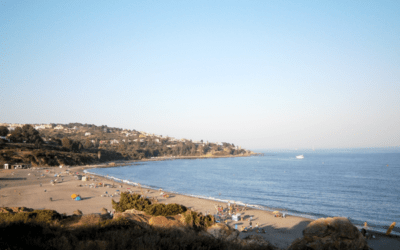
(276,212)
(78,198)
(73,196)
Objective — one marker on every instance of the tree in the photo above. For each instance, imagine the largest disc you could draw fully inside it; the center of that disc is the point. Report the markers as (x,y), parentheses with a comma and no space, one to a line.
(27,133)
(3,131)
(76,146)
(66,143)
(88,143)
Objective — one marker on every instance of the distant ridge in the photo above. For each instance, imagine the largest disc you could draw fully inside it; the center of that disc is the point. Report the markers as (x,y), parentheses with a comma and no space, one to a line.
(81,144)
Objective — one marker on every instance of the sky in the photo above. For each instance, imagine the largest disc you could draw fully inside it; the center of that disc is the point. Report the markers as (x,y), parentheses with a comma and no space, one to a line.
(259,74)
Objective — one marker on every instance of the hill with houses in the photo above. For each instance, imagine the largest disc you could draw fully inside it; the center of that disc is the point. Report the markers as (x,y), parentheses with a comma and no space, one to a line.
(81,144)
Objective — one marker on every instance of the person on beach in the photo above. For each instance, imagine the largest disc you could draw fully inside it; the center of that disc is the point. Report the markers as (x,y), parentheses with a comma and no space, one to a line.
(250,225)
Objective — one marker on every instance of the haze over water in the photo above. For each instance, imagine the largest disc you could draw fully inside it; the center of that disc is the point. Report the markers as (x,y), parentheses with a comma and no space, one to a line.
(362,186)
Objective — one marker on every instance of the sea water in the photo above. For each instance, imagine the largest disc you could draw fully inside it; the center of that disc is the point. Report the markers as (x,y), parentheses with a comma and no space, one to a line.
(362,186)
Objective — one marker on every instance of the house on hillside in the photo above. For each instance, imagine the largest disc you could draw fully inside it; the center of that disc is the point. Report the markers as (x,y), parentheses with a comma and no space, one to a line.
(59,127)
(114,141)
(88,133)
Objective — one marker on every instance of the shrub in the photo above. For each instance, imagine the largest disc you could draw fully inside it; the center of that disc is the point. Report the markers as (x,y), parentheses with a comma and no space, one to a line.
(130,201)
(165,210)
(195,219)
(135,201)
(45,216)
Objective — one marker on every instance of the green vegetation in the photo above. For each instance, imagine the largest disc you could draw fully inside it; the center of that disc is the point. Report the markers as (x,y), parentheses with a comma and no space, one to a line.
(117,234)
(135,201)
(195,219)
(81,144)
(38,216)
(130,201)
(165,210)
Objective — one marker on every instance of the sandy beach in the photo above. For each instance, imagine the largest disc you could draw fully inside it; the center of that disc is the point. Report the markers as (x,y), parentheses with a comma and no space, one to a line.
(32,188)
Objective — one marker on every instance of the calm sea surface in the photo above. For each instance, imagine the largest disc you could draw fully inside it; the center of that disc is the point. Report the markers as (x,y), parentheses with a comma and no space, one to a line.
(357,185)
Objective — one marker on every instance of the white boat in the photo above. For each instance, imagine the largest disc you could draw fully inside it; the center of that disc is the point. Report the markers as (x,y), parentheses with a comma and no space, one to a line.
(300,156)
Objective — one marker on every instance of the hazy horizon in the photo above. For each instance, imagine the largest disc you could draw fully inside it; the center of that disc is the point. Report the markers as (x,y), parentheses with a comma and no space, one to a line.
(260,74)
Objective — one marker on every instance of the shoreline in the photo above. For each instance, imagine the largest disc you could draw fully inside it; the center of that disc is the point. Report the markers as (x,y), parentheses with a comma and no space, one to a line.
(23,189)
(264,208)
(309,216)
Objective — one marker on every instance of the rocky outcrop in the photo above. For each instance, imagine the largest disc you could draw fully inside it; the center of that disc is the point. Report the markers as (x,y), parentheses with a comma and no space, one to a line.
(162,221)
(225,232)
(132,217)
(329,234)
(15,209)
(134,211)
(256,240)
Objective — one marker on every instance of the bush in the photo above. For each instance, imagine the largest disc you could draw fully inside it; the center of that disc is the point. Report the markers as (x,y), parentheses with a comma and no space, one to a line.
(198,220)
(41,216)
(135,201)
(165,210)
(130,201)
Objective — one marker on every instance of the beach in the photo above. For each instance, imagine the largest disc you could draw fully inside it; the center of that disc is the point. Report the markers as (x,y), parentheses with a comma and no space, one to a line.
(32,188)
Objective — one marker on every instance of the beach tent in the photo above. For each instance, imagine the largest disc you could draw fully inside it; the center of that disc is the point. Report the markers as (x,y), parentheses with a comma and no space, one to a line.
(73,196)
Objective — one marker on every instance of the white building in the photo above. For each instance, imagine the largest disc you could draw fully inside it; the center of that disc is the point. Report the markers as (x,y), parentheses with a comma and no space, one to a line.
(59,127)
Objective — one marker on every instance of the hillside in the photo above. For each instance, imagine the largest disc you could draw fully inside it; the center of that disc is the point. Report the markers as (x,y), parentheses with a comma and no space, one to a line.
(81,144)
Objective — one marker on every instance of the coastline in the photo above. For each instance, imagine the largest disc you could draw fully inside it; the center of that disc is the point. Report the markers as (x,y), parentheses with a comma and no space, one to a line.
(23,189)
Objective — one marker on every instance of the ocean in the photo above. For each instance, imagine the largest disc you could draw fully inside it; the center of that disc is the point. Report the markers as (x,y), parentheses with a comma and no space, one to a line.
(362,186)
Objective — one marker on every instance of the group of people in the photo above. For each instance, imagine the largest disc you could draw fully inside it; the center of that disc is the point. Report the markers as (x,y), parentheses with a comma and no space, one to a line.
(230,209)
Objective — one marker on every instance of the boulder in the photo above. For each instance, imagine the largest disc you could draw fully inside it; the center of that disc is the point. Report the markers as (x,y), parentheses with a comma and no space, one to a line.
(134,211)
(223,231)
(257,240)
(162,221)
(330,233)
(132,217)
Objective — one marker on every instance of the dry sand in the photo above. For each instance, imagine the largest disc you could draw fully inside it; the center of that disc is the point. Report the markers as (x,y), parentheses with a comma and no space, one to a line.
(28,188)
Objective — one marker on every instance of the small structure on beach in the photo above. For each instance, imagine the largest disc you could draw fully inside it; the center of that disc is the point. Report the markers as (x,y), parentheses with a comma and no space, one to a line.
(17,166)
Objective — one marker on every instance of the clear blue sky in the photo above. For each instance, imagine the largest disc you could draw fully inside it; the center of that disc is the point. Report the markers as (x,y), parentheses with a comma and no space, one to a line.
(260,74)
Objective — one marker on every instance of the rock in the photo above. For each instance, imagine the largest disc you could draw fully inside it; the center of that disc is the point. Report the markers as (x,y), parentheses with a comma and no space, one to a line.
(162,221)
(223,231)
(330,233)
(103,211)
(134,211)
(132,217)
(15,209)
(78,212)
(257,240)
